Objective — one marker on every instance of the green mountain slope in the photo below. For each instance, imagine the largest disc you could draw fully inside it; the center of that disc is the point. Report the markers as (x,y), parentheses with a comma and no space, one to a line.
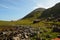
(47,28)
(28,19)
(34,14)
(52,13)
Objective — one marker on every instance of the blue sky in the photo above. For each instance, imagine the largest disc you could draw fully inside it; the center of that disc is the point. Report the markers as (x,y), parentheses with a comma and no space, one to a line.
(16,9)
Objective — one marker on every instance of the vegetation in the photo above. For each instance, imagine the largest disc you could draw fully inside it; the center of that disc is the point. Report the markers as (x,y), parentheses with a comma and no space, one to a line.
(47,19)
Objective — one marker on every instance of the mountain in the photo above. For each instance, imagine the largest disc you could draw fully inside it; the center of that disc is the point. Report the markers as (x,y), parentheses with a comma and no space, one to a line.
(29,18)
(51,13)
(34,14)
(46,30)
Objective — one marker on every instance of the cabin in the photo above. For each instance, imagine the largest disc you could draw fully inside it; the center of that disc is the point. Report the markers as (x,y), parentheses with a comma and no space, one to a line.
(58,38)
(58,19)
(36,21)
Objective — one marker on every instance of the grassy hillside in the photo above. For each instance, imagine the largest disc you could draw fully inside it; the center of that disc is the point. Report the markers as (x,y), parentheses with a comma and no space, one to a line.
(49,22)
(28,19)
(52,13)
(34,14)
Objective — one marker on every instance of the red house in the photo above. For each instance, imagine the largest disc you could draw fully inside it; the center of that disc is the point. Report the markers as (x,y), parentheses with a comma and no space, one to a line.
(56,39)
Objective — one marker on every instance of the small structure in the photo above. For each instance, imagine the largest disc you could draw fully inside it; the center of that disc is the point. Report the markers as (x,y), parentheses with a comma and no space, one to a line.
(36,21)
(58,38)
(58,19)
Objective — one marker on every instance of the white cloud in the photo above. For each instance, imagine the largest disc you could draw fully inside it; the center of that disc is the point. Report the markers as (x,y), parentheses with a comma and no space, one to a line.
(39,6)
(45,3)
(9,7)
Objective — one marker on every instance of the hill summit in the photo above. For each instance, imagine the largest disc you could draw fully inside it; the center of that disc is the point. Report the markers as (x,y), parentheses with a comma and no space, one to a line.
(34,14)
(51,13)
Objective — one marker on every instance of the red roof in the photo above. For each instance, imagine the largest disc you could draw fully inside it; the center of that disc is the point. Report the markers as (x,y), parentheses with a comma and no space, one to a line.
(56,39)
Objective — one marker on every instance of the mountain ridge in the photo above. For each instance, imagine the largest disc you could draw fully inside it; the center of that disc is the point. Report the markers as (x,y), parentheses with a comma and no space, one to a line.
(53,13)
(34,13)
(40,13)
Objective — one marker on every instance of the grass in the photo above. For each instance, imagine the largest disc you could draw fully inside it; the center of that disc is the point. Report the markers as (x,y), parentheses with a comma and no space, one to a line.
(42,25)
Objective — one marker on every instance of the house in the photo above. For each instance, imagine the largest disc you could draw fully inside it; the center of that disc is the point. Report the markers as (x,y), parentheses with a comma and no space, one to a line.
(56,39)
(36,21)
